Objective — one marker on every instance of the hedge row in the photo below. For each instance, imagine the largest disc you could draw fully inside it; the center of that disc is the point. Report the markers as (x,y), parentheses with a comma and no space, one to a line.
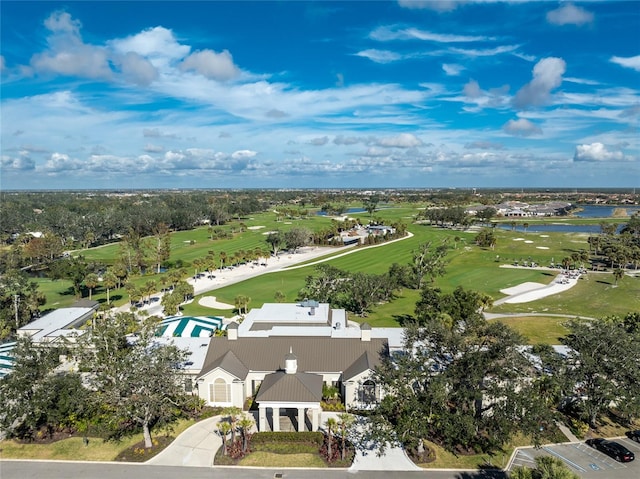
(307,436)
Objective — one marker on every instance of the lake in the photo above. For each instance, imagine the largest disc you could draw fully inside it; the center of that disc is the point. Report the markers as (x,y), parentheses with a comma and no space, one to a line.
(604,211)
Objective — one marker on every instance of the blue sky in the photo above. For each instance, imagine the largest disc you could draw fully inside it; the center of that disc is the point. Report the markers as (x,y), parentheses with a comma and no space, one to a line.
(320,94)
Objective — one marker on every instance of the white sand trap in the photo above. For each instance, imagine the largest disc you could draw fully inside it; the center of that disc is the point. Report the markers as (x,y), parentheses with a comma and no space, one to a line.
(210,302)
(544,236)
(541,247)
(518,239)
(528,241)
(255,227)
(522,288)
(269,232)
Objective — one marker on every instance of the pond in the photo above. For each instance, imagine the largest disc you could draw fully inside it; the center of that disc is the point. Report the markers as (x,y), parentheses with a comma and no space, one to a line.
(604,211)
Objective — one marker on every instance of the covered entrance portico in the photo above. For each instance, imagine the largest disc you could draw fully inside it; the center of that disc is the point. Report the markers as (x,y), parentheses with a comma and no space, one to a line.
(288,416)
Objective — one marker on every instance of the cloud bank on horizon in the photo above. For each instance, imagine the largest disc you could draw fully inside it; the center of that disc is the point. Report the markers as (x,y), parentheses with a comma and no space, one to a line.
(414,93)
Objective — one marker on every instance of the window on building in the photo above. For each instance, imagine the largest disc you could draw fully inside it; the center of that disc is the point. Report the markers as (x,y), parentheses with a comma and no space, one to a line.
(220,391)
(367,392)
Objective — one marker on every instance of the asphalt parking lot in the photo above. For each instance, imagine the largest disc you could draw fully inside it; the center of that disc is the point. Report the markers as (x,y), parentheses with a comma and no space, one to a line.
(584,460)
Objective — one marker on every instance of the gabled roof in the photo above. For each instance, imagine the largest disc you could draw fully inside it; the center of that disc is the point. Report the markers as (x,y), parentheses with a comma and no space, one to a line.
(230,363)
(283,387)
(314,354)
(360,365)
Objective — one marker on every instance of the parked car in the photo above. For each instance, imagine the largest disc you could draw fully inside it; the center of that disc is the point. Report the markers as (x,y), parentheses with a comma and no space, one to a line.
(612,449)
(634,435)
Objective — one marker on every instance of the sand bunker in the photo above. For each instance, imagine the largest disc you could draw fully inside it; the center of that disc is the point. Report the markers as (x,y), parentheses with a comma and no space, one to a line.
(210,302)
(528,241)
(255,227)
(541,247)
(518,239)
(544,236)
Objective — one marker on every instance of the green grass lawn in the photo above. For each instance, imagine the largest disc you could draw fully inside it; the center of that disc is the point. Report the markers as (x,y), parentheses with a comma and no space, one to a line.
(269,459)
(538,329)
(469,266)
(73,448)
(594,296)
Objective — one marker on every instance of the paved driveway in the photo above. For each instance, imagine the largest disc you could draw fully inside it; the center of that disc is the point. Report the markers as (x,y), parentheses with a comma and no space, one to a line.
(195,447)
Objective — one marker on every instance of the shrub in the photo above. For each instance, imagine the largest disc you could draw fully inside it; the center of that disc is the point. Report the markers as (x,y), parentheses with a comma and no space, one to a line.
(306,436)
(332,406)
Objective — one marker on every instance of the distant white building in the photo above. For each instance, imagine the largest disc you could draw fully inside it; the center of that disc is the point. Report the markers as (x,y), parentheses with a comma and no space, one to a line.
(62,323)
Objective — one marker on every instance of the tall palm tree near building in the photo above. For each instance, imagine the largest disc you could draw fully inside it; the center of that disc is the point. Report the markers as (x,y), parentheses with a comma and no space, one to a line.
(245,424)
(109,280)
(331,425)
(91,281)
(345,424)
(223,428)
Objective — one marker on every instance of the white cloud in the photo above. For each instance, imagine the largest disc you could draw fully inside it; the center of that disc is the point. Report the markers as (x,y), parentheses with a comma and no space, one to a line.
(487,52)
(388,33)
(346,140)
(379,56)
(67,53)
(137,69)
(61,162)
(569,14)
(23,162)
(320,141)
(472,90)
(403,140)
(547,75)
(452,69)
(628,62)
(212,65)
(157,44)
(437,5)
(61,22)
(596,152)
(243,154)
(521,127)
(493,98)
(151,148)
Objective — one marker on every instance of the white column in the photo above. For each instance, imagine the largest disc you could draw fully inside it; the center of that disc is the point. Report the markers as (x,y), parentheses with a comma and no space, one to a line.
(314,419)
(276,419)
(262,421)
(301,421)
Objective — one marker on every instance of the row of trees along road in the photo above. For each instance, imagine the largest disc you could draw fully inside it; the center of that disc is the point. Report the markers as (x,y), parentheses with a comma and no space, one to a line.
(465,384)
(133,384)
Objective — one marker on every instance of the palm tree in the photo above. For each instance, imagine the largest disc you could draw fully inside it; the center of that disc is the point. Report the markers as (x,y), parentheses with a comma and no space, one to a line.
(149,288)
(224,427)
(345,424)
(91,281)
(109,280)
(242,302)
(245,424)
(618,274)
(232,413)
(331,424)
